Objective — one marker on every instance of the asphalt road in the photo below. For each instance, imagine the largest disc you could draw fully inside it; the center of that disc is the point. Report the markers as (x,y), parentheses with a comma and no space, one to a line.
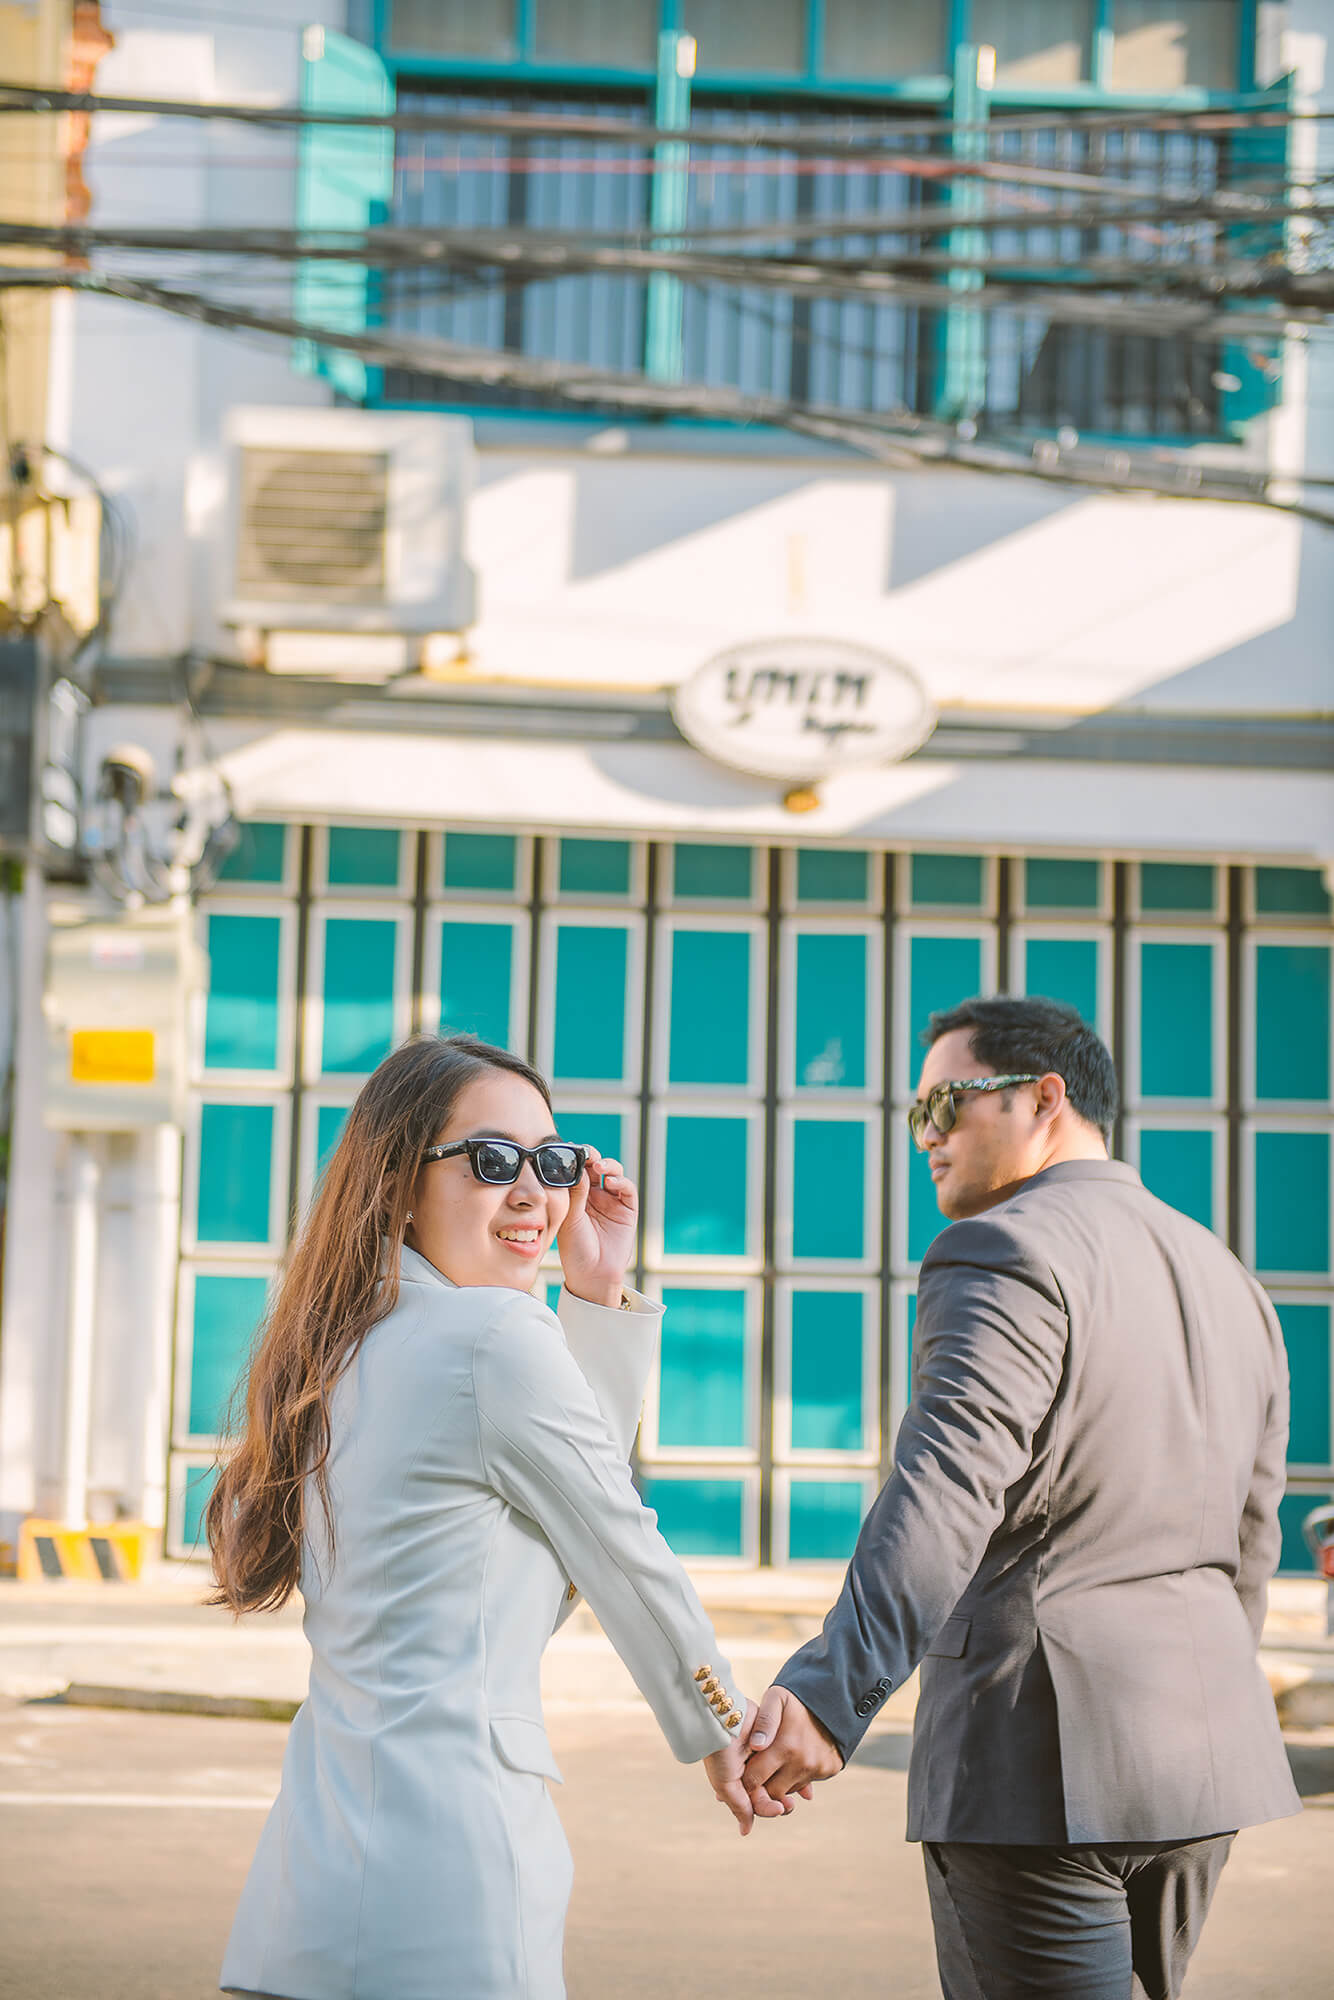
(124,1839)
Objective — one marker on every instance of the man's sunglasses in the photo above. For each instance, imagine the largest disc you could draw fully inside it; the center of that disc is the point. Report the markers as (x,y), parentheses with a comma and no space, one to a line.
(499,1162)
(940,1110)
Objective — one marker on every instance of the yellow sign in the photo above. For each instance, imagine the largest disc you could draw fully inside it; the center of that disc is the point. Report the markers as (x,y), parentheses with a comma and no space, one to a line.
(111,1055)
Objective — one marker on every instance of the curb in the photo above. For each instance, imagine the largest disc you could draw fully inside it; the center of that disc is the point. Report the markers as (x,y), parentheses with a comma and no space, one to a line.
(167,1701)
(1303,1689)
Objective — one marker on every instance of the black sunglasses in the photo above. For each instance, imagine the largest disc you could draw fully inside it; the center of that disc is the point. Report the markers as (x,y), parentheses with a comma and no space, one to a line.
(940,1110)
(499,1162)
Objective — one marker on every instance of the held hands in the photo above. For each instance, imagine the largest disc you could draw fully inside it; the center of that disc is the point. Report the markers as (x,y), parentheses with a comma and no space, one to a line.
(781,1749)
(787,1751)
(725,1771)
(597,1239)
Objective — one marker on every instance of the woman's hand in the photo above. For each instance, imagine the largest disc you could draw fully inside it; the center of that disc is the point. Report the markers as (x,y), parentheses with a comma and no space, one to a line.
(597,1239)
(725,1771)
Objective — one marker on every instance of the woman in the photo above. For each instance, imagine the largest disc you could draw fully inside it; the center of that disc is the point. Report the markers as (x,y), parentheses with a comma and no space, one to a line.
(439,1464)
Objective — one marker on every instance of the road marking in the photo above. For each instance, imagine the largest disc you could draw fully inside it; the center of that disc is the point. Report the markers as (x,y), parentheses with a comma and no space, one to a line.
(188,1801)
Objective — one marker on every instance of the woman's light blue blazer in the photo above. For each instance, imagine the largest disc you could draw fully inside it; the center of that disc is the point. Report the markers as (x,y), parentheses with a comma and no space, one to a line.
(479,1473)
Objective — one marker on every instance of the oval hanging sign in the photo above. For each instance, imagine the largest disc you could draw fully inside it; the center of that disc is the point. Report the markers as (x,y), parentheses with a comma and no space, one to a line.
(802,708)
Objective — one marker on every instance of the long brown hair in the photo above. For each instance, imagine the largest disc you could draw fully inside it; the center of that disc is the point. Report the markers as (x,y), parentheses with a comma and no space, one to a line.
(336,1285)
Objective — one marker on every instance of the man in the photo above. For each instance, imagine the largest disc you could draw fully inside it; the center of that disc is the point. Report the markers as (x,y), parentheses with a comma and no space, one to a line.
(1075,1541)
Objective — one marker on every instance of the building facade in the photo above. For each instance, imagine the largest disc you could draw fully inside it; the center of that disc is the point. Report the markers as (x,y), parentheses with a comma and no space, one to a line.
(1125,802)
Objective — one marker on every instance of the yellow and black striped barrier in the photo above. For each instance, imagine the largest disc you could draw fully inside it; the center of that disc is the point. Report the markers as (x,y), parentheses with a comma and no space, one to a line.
(103,1552)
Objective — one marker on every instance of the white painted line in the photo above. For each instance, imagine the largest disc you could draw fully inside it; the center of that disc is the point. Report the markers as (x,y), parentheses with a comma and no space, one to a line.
(186,1801)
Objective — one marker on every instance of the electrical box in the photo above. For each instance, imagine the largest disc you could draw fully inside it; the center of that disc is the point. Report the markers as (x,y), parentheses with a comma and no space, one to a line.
(119,992)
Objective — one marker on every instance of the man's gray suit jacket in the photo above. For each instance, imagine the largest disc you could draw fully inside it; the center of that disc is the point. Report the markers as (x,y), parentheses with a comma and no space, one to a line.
(1078,1533)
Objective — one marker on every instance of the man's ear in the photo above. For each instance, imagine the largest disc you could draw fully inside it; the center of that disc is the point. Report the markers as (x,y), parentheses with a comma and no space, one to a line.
(1051,1096)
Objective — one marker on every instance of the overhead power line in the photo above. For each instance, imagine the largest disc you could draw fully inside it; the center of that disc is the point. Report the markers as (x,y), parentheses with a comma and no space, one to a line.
(1191,303)
(1254,115)
(900,441)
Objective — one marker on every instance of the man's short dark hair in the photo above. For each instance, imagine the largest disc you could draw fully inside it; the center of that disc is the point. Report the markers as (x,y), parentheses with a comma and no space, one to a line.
(1018,1036)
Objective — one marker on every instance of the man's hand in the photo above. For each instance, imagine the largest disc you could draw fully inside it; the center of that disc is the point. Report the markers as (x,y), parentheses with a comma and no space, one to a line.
(788,1750)
(724,1770)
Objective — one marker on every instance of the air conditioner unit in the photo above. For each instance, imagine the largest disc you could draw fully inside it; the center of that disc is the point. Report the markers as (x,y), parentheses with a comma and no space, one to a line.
(346,523)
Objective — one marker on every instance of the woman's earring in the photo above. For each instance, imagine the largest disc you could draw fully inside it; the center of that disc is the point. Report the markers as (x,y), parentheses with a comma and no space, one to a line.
(408,1217)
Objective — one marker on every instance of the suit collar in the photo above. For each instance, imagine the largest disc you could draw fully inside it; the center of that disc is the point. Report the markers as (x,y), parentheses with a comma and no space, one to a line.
(418,1270)
(1084,1170)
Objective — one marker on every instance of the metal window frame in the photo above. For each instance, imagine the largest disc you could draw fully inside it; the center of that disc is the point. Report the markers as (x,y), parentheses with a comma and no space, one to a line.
(788,1476)
(907,1055)
(653,1453)
(868,1117)
(282,1074)
(327,891)
(1063,931)
(1214,1123)
(437,892)
(794,928)
(664,1263)
(190,1270)
(785,1453)
(1134,1099)
(1252,944)
(503,916)
(1274,1279)
(745,1476)
(354,910)
(551,920)
(670,924)
(279,1101)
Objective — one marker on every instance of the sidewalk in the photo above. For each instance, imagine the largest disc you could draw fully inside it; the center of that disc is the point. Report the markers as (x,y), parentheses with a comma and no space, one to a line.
(145,1643)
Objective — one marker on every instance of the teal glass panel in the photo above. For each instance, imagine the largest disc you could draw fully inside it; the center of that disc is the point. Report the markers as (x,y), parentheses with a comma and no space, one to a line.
(199,1484)
(595,868)
(828,1187)
(1296,1559)
(1064,969)
(485,861)
(241,1022)
(827,1371)
(329,1122)
(824,1518)
(592,962)
(954,879)
(1176,1020)
(826,875)
(363,857)
(943,971)
(925,1220)
(258,855)
(1292,1021)
(712,872)
(359,958)
(476,975)
(1292,1201)
(1179,1168)
(702,1376)
(228,1308)
(1176,887)
(831,1011)
(1291,892)
(553,1291)
(602,1129)
(710,1017)
(699,1517)
(1306,1335)
(912,1325)
(1062,885)
(705,1187)
(235,1172)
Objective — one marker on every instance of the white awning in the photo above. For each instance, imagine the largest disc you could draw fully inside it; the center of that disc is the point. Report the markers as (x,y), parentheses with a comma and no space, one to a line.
(668,791)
